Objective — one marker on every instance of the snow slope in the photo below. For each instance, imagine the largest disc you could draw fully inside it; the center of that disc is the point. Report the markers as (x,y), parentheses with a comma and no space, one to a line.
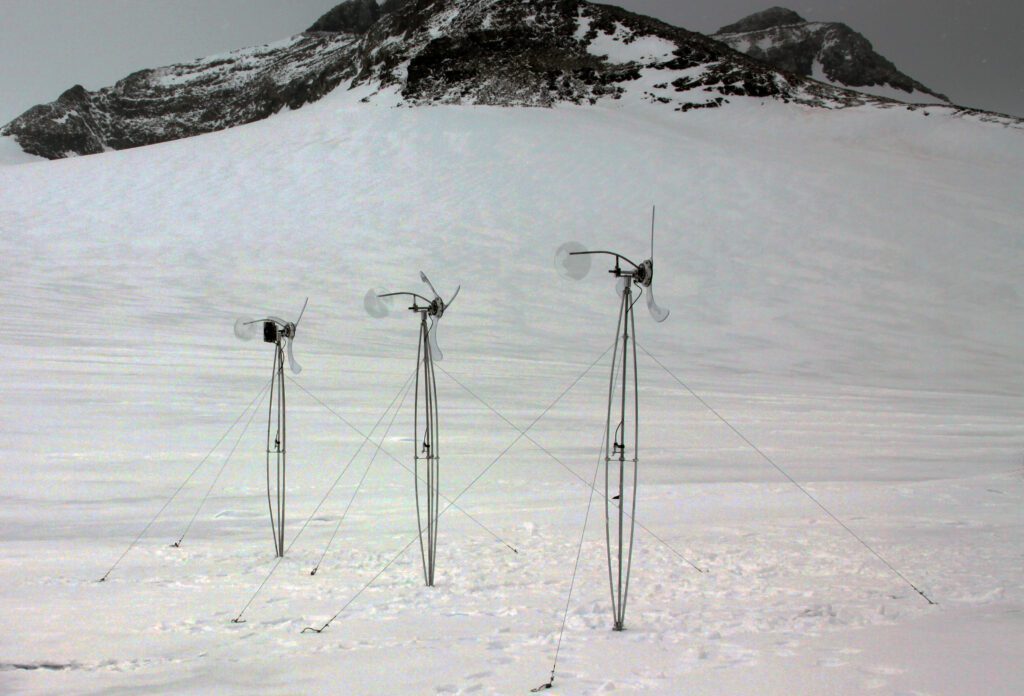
(844,288)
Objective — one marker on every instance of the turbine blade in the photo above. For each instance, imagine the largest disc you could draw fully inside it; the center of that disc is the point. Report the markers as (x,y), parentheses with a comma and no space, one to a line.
(452,299)
(652,233)
(423,277)
(301,313)
(660,314)
(296,367)
(435,350)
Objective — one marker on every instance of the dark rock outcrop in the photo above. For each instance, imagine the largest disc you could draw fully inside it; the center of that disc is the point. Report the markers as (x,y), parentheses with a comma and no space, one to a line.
(77,134)
(178,101)
(355,16)
(828,51)
(539,52)
(766,19)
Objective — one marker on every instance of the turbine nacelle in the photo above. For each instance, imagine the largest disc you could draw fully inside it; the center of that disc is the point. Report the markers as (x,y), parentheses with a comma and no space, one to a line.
(274,330)
(378,303)
(573,261)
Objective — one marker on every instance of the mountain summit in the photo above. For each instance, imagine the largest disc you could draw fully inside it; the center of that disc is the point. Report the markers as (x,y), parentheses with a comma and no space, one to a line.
(830,52)
(416,52)
(765,19)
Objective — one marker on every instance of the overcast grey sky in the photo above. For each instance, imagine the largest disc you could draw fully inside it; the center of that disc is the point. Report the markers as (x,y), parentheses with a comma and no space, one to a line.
(970,50)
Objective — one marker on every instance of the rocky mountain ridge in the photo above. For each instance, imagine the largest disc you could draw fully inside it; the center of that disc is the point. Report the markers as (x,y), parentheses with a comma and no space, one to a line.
(418,52)
(830,52)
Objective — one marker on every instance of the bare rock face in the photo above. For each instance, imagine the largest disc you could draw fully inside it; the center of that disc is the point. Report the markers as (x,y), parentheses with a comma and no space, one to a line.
(355,16)
(73,112)
(827,51)
(541,52)
(152,106)
(496,52)
(766,19)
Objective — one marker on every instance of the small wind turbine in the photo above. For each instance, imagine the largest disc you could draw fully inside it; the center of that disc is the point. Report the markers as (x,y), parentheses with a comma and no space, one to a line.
(282,334)
(621,457)
(378,304)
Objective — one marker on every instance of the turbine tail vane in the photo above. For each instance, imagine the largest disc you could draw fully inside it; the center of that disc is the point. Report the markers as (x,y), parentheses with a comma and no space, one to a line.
(572,261)
(378,303)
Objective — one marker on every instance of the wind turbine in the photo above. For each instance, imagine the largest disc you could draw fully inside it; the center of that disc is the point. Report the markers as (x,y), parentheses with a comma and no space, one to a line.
(282,334)
(621,452)
(426,449)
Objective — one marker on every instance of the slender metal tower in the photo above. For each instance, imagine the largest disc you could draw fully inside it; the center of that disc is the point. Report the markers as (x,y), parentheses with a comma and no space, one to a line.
(426,440)
(281,334)
(622,424)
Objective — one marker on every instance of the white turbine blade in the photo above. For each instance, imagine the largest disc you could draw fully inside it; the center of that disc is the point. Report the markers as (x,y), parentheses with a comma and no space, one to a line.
(376,306)
(660,314)
(246,328)
(452,298)
(301,312)
(569,266)
(435,350)
(652,233)
(296,367)
(423,277)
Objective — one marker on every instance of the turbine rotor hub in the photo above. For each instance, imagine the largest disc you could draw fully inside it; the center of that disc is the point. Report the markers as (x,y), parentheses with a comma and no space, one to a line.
(273,332)
(644,274)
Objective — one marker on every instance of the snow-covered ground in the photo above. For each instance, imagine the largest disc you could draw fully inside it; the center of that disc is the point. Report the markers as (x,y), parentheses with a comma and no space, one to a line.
(845,289)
